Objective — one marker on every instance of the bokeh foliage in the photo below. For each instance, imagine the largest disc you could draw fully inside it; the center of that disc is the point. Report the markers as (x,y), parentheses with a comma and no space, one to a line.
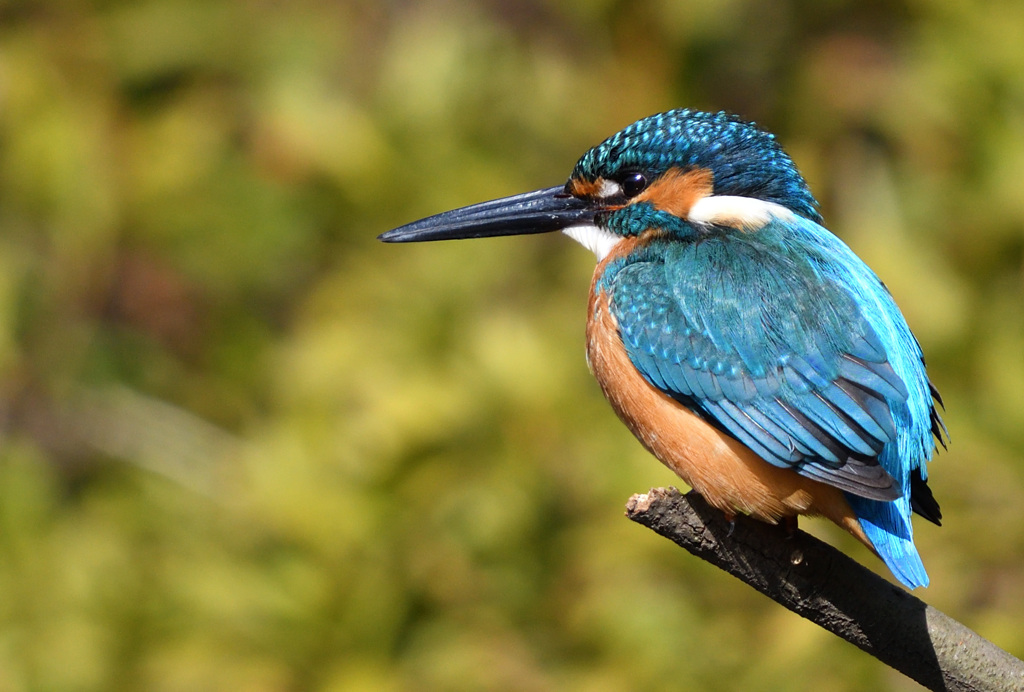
(247,447)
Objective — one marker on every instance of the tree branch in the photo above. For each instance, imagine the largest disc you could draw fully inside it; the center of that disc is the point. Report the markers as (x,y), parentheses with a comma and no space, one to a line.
(818,582)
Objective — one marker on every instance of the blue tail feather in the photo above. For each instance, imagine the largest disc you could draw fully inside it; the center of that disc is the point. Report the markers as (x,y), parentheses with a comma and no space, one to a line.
(887,525)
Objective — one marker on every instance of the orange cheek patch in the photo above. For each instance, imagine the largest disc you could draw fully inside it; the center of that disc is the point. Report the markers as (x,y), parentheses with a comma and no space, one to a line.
(677,190)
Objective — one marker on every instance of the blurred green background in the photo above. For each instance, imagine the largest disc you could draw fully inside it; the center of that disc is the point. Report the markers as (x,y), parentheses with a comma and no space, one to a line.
(245,446)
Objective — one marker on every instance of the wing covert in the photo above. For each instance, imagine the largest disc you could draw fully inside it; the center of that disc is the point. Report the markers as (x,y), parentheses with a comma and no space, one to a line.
(765,348)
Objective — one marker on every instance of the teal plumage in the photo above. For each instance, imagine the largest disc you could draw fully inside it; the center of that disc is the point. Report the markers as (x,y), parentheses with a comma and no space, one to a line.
(796,349)
(745,159)
(731,298)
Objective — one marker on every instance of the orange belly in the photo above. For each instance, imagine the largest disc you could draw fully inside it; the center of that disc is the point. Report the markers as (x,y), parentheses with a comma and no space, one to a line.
(725,472)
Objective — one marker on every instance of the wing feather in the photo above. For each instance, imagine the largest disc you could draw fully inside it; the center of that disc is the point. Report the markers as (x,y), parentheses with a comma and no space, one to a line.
(763,346)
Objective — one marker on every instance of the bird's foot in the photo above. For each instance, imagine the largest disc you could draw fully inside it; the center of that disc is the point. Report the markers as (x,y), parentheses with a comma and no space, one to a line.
(731,517)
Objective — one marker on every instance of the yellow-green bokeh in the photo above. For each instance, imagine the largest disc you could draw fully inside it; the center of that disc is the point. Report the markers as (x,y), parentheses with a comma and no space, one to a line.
(245,446)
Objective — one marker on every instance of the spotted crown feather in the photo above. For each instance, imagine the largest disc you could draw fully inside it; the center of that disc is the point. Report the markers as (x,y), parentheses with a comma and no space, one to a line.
(743,159)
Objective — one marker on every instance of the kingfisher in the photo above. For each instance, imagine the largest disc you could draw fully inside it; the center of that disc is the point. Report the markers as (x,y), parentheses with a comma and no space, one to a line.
(746,346)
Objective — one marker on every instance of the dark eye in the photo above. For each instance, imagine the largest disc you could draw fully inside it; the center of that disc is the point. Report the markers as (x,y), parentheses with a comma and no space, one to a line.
(633,184)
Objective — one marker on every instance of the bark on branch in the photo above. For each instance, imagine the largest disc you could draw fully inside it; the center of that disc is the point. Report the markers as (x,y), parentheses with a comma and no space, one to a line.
(818,582)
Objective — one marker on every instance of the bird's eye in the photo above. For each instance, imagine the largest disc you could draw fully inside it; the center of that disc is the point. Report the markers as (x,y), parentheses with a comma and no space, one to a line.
(633,184)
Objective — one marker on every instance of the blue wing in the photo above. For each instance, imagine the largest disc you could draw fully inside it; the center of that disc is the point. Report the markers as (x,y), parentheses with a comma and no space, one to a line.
(750,331)
(786,340)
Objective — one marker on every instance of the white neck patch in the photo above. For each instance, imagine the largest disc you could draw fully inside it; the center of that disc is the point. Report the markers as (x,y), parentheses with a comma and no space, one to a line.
(595,239)
(745,213)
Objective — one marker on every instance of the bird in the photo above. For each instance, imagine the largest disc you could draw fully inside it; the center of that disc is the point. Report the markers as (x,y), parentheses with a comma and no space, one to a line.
(744,345)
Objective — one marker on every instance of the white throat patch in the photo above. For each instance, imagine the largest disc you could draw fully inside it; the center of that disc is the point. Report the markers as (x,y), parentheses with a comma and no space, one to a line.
(595,239)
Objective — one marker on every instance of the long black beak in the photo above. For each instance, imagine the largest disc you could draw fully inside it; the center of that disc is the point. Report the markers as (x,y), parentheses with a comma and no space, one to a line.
(541,211)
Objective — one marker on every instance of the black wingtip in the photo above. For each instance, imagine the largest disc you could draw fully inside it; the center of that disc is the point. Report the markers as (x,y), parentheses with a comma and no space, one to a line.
(939,429)
(922,501)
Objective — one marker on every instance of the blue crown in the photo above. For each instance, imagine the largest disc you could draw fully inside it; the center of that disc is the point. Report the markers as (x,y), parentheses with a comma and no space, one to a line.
(743,159)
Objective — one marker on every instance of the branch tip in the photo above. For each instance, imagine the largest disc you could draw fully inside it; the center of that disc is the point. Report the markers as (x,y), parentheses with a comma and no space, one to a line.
(829,588)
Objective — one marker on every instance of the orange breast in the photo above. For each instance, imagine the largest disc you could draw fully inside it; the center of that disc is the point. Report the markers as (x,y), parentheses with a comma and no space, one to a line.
(724,471)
